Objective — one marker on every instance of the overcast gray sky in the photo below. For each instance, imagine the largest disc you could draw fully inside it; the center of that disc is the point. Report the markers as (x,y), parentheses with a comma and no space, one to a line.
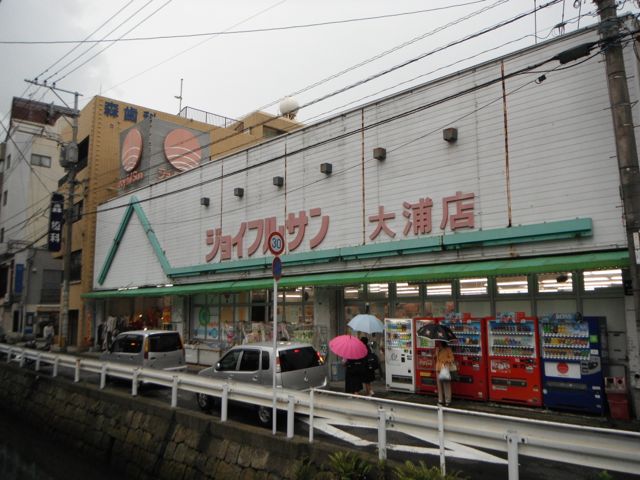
(232,74)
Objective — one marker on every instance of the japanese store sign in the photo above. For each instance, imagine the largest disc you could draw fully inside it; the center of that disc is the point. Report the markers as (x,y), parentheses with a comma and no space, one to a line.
(55,222)
(457,213)
(130,114)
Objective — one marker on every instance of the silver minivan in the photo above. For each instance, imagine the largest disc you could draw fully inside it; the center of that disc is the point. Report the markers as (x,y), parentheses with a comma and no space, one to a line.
(161,349)
(298,366)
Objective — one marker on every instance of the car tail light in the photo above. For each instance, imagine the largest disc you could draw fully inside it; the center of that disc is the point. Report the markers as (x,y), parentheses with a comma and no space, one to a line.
(277,364)
(146,348)
(320,358)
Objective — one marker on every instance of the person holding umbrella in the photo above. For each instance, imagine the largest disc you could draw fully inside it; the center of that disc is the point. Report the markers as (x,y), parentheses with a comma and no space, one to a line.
(354,354)
(444,365)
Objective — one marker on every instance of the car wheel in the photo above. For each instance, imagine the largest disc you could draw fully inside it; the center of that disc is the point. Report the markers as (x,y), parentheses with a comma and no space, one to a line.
(265,415)
(205,402)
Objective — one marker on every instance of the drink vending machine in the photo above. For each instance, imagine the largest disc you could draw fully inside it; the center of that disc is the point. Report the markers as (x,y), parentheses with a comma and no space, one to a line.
(425,357)
(470,352)
(514,366)
(571,351)
(398,342)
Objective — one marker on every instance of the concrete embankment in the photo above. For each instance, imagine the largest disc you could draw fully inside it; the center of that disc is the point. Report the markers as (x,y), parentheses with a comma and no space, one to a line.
(143,439)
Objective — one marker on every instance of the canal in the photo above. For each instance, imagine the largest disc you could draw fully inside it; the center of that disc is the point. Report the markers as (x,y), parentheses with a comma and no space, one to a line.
(28,454)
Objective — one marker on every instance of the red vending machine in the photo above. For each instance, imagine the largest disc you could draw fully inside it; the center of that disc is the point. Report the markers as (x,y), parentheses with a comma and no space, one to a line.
(424,353)
(514,362)
(470,352)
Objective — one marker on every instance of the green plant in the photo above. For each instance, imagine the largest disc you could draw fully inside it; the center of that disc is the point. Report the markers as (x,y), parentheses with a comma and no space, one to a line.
(410,471)
(348,466)
(305,469)
(604,475)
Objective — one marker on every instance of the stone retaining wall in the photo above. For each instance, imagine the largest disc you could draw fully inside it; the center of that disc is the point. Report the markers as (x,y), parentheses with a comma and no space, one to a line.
(145,439)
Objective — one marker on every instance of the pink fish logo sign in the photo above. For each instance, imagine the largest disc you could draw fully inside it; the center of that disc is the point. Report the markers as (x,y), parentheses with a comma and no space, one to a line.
(182,149)
(131,150)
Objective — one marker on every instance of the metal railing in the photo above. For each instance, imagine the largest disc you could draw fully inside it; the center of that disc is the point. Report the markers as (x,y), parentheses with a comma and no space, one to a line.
(454,433)
(207,117)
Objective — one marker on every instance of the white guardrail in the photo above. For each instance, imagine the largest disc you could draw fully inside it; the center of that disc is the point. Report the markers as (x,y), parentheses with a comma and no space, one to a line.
(454,433)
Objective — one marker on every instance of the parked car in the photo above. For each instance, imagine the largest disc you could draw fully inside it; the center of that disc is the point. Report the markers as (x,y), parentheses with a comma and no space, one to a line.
(298,366)
(161,349)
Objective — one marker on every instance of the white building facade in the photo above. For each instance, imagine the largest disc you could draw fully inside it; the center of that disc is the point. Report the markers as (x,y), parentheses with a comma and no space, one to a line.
(493,189)
(30,277)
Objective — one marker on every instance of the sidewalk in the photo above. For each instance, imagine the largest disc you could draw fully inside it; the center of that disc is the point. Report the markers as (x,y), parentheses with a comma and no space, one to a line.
(519,411)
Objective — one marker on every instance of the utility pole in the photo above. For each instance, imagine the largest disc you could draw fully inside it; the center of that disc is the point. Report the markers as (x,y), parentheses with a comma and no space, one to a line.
(627,155)
(69,161)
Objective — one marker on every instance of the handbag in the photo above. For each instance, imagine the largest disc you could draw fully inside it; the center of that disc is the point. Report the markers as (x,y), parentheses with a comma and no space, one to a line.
(453,367)
(445,374)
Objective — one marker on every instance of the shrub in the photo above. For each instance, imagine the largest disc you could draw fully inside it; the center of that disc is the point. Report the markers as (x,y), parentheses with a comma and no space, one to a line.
(410,471)
(348,466)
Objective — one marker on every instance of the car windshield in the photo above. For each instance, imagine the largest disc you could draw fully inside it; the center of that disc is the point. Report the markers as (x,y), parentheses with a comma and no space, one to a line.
(298,359)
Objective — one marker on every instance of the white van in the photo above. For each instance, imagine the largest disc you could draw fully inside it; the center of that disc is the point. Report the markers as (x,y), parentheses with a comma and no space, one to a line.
(161,349)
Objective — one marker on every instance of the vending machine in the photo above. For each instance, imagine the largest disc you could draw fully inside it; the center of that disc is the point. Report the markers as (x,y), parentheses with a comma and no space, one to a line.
(571,351)
(425,357)
(514,366)
(470,352)
(398,341)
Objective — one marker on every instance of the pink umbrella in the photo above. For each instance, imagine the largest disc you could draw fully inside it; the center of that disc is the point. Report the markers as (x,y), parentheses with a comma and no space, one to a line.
(348,346)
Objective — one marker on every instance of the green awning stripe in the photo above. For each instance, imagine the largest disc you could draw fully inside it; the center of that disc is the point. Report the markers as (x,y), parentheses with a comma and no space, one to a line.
(519,266)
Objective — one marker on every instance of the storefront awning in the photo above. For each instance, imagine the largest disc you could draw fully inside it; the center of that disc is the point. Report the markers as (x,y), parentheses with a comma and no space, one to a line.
(519,266)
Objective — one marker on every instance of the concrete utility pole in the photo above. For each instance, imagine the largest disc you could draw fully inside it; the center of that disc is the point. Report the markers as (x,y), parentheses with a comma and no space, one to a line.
(629,176)
(69,161)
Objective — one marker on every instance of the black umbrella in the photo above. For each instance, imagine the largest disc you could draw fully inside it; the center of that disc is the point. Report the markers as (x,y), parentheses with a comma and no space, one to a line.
(437,331)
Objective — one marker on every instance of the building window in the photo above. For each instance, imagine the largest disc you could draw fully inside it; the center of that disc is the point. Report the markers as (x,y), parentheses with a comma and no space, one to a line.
(76,212)
(40,160)
(1,235)
(8,163)
(76,266)
(269,132)
(5,195)
(51,283)
(512,285)
(598,280)
(555,282)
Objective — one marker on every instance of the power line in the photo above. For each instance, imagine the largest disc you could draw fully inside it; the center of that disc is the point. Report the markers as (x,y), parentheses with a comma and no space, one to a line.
(196,45)
(95,45)
(85,40)
(530,69)
(482,32)
(237,32)
(343,135)
(114,41)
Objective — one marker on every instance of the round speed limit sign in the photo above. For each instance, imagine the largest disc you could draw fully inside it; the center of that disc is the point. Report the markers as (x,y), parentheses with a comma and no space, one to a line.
(276,243)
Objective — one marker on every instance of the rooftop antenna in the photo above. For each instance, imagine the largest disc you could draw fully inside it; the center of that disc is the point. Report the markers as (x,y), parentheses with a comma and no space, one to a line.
(179,97)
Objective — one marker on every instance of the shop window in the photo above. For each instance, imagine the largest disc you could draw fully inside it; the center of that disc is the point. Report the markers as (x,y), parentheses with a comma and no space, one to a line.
(512,285)
(407,309)
(438,308)
(407,290)
(555,282)
(598,280)
(439,289)
(378,290)
(354,292)
(258,296)
(473,286)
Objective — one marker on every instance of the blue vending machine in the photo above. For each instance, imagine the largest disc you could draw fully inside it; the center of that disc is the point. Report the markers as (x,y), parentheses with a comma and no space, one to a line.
(571,351)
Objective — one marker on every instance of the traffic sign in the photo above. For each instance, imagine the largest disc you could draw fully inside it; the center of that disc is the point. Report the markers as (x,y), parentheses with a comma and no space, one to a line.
(276,268)
(276,243)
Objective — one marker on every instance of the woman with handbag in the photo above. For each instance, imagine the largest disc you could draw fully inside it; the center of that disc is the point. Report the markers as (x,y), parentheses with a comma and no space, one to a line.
(444,364)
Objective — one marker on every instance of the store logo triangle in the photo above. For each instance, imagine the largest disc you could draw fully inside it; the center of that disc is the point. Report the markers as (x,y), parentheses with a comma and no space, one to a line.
(133,207)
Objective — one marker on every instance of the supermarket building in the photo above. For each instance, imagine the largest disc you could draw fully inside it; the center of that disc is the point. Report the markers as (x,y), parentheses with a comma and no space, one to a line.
(489,190)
